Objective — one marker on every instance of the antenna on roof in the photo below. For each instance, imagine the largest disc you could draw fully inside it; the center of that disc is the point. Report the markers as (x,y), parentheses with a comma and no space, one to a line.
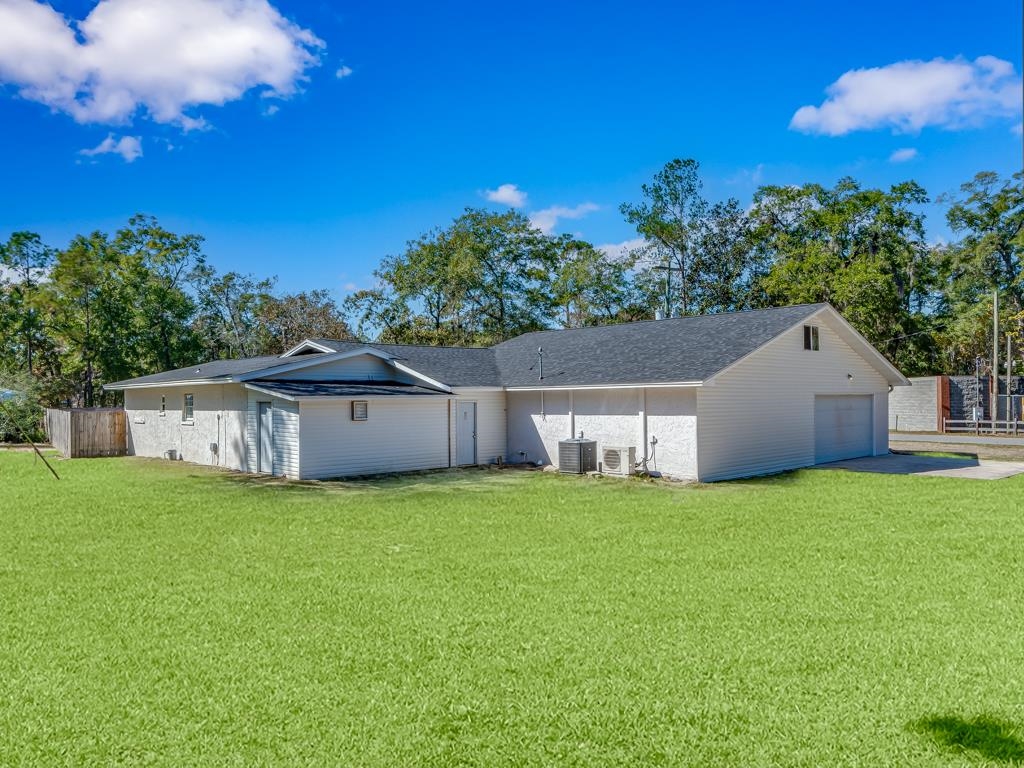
(540,361)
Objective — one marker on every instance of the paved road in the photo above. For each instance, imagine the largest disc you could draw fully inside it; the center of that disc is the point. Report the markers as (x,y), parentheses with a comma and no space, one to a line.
(958,439)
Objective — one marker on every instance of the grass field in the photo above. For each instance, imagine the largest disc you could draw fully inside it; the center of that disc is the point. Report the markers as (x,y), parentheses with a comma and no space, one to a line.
(156,614)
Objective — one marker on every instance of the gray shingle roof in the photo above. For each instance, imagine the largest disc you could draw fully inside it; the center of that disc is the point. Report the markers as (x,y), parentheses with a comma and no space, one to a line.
(213,371)
(654,351)
(454,366)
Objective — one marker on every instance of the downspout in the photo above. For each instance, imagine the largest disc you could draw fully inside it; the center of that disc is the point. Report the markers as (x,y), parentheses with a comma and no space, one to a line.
(449,433)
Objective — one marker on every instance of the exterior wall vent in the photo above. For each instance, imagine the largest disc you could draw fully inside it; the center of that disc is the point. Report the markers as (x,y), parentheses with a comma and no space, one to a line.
(360,410)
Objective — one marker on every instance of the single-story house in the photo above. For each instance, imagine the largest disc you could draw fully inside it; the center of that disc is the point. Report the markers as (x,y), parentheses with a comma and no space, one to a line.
(703,398)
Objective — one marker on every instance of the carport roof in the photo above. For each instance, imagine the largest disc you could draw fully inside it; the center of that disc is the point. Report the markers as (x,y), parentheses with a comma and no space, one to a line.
(291,389)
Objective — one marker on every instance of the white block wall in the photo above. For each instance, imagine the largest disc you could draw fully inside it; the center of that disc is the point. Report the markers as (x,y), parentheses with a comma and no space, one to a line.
(219,417)
(759,416)
(915,408)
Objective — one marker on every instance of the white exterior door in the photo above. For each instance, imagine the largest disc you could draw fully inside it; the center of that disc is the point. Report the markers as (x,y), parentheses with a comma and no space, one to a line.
(842,427)
(265,438)
(465,434)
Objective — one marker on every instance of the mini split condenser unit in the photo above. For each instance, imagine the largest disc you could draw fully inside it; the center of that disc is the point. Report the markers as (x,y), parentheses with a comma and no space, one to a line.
(618,460)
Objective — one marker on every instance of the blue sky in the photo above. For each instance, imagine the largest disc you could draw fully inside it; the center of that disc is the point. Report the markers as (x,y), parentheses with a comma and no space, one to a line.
(298,172)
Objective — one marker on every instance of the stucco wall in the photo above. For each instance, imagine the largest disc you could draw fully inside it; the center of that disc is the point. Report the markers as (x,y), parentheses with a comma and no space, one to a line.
(536,422)
(612,417)
(219,418)
(672,421)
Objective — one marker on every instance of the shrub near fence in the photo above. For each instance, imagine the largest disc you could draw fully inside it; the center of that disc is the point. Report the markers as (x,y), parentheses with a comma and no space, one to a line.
(87,432)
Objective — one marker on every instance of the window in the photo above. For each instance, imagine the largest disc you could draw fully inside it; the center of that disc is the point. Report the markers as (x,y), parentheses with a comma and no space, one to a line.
(188,408)
(811,338)
(359,410)
(163,405)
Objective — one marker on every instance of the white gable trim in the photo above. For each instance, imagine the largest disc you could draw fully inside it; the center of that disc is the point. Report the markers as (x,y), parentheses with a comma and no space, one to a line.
(307,344)
(420,376)
(848,333)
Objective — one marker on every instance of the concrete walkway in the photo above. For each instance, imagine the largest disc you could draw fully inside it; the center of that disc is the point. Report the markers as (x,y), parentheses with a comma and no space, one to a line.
(967,467)
(960,438)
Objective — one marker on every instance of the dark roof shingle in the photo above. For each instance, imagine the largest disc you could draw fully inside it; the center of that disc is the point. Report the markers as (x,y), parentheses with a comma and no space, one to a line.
(654,351)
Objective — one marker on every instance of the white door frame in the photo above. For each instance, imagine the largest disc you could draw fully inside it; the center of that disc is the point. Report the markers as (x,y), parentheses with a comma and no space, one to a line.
(259,437)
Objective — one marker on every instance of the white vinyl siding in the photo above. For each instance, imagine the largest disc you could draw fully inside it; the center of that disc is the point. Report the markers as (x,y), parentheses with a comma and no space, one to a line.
(402,434)
(491,422)
(758,417)
(285,434)
(357,368)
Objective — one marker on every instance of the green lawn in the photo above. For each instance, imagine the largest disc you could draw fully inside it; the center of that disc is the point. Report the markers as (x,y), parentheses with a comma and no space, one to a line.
(156,614)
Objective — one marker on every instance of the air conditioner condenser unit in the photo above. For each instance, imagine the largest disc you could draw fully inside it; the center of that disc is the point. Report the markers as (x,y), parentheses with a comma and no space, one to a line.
(618,460)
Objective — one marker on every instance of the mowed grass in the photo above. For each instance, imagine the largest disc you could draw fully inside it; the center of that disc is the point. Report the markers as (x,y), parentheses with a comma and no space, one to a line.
(167,615)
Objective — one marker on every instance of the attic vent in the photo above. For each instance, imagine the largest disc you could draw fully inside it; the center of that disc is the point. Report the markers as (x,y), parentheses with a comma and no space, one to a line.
(360,410)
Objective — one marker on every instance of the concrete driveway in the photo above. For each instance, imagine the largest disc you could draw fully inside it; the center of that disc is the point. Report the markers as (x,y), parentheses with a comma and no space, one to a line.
(966,467)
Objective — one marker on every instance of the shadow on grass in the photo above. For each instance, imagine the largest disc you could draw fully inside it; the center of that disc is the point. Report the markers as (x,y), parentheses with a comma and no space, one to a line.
(455,479)
(988,737)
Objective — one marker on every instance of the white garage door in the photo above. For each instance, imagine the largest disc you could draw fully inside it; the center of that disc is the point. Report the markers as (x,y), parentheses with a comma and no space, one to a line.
(842,427)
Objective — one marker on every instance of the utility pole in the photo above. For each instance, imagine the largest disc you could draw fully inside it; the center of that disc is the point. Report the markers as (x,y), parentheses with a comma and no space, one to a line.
(994,381)
(668,269)
(1009,389)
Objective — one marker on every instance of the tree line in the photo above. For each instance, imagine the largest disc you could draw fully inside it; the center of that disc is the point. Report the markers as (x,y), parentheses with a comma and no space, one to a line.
(144,299)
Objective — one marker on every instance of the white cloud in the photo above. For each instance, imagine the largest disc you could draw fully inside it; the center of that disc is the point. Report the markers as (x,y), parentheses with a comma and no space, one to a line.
(910,95)
(1019,129)
(507,194)
(350,286)
(151,56)
(545,220)
(343,71)
(128,147)
(903,155)
(618,251)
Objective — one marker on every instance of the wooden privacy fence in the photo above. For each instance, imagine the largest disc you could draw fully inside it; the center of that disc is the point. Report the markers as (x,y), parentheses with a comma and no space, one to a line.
(87,432)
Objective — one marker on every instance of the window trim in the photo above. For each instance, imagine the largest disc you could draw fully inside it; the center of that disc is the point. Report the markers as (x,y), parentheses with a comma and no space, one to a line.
(812,338)
(188,408)
(365,410)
